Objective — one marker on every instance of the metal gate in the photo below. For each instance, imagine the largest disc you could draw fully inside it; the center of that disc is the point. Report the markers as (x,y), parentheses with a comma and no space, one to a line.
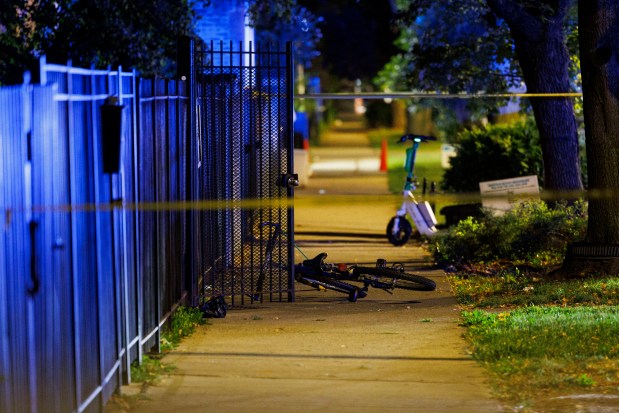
(243,111)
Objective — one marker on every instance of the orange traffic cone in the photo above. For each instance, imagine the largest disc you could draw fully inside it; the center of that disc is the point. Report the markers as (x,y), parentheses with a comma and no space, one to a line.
(383,156)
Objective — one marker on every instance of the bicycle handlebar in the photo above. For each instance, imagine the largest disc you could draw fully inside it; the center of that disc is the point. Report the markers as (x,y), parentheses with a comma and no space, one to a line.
(416,138)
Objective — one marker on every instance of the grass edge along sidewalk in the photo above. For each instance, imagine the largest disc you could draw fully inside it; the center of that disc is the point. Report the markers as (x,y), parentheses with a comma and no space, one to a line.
(567,343)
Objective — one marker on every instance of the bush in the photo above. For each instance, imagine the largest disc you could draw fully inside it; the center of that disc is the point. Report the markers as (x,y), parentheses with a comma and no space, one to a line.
(532,232)
(494,152)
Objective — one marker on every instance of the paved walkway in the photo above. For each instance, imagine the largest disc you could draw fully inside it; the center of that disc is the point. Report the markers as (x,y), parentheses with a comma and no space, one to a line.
(345,150)
(385,353)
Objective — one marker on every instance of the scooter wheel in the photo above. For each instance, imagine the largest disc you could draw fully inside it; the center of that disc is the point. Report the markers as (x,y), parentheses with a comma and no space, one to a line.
(402,234)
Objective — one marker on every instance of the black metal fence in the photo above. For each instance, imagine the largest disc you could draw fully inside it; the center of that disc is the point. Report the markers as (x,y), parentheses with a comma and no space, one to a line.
(244,119)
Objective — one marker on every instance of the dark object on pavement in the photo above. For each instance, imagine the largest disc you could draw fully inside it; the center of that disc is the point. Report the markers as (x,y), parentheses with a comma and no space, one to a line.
(214,307)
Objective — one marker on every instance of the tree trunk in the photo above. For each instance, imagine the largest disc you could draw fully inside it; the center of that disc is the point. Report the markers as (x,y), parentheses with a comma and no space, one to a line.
(599,53)
(544,59)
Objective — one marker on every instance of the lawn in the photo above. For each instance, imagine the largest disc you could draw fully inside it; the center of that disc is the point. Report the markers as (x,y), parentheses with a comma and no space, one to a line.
(542,339)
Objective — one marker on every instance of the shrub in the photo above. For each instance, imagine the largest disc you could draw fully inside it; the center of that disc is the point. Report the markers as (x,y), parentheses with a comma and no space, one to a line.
(494,152)
(532,232)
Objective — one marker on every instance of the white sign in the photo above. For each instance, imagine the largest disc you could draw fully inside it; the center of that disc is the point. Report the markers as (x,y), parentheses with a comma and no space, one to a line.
(502,194)
(447,152)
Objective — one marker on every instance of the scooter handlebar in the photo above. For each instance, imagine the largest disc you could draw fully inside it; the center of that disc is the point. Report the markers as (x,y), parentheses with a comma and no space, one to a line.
(416,138)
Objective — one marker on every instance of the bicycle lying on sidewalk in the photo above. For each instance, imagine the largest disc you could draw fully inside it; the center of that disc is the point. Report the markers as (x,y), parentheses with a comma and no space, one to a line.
(318,274)
(381,276)
(399,229)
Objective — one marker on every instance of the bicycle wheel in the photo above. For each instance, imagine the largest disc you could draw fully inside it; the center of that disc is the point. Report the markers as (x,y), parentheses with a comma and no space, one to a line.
(309,277)
(390,278)
(401,236)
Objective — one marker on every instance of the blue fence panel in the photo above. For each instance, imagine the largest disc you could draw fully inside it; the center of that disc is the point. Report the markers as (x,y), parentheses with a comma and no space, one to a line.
(162,161)
(15,256)
(147,217)
(54,320)
(95,298)
(124,194)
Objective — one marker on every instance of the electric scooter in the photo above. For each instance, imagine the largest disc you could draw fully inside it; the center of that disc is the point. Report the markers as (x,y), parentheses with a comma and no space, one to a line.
(399,229)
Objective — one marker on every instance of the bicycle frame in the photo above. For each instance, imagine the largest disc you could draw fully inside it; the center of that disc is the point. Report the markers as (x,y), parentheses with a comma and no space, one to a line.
(315,277)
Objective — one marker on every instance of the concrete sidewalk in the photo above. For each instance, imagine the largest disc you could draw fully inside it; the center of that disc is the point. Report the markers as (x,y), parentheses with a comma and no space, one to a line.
(384,353)
(345,150)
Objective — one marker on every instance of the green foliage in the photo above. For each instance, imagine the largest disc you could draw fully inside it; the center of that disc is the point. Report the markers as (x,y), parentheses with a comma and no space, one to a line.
(184,322)
(531,232)
(137,34)
(466,46)
(455,47)
(460,46)
(494,152)
(585,380)
(391,76)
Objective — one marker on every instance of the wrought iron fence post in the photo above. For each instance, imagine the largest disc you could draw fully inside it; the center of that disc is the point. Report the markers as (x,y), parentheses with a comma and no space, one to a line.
(290,135)
(186,70)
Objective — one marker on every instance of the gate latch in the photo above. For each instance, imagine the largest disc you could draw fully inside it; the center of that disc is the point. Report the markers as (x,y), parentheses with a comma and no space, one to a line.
(290,180)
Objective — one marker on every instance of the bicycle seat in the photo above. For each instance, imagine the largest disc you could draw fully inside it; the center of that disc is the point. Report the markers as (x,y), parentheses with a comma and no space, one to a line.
(416,138)
(317,262)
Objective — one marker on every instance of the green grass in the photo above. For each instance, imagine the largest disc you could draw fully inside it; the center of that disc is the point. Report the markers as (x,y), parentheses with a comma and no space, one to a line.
(541,338)
(537,352)
(560,333)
